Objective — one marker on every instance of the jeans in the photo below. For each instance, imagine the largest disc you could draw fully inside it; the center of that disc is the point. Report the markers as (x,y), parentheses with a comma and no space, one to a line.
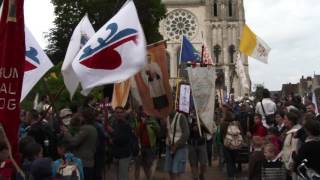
(230,158)
(210,150)
(123,168)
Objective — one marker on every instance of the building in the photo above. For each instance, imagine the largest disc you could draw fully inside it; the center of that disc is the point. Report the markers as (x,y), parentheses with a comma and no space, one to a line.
(218,23)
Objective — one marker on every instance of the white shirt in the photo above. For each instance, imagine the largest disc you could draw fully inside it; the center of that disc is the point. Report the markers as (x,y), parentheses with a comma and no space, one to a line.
(269,107)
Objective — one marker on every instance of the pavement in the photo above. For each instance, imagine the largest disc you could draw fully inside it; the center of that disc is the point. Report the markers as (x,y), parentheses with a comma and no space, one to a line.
(213,173)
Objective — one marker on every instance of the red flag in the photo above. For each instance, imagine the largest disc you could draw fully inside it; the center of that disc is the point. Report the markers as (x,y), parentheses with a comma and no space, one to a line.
(12,58)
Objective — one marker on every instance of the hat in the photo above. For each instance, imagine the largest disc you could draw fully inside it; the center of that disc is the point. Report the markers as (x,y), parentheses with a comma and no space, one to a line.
(65,115)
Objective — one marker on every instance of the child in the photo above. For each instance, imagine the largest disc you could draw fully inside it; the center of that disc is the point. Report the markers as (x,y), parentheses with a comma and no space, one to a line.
(273,138)
(272,167)
(7,170)
(67,165)
(259,129)
(256,159)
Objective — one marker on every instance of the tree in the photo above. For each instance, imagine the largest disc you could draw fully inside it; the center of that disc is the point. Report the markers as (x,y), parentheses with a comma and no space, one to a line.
(69,13)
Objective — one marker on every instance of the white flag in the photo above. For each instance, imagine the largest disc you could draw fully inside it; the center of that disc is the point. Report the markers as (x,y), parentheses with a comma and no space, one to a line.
(241,72)
(81,34)
(115,53)
(36,65)
(314,101)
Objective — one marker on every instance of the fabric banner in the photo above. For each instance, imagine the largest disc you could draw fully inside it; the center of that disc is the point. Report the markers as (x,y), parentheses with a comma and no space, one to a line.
(206,55)
(12,59)
(184,98)
(241,72)
(36,65)
(153,83)
(115,53)
(120,94)
(81,34)
(202,80)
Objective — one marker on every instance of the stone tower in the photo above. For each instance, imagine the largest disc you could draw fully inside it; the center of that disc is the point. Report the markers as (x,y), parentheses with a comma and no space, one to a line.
(218,23)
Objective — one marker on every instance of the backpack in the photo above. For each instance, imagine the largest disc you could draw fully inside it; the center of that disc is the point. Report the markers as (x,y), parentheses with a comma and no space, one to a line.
(68,170)
(233,139)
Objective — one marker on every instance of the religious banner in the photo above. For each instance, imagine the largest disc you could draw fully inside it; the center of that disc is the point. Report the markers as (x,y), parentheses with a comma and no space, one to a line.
(202,80)
(184,98)
(12,59)
(153,83)
(120,94)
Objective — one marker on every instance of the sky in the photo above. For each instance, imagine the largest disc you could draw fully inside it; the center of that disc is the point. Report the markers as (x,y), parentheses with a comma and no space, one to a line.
(289,27)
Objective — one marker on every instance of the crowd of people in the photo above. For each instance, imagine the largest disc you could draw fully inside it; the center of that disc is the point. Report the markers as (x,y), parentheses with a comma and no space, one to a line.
(273,136)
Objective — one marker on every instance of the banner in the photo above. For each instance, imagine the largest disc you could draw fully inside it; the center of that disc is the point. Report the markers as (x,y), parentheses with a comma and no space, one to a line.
(153,83)
(36,65)
(241,72)
(202,80)
(12,59)
(80,36)
(115,53)
(120,94)
(184,98)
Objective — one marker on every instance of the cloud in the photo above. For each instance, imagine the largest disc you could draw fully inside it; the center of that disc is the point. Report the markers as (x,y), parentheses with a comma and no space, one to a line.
(290,27)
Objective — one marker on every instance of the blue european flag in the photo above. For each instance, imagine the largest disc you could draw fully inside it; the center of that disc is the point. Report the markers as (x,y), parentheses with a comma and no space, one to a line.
(188,52)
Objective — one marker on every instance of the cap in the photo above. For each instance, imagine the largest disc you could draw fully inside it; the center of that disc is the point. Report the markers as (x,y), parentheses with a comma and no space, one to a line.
(65,115)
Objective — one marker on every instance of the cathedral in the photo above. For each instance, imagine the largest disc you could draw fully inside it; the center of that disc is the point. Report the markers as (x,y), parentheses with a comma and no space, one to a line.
(218,23)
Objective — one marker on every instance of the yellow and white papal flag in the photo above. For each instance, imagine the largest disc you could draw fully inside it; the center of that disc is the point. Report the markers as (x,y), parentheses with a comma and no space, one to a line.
(251,45)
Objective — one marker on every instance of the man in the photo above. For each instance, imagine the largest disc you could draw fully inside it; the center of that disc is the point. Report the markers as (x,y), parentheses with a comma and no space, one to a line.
(176,153)
(266,107)
(122,143)
(197,149)
(147,131)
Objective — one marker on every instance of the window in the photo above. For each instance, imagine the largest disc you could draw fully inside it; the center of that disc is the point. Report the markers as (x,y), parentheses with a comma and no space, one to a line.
(215,9)
(230,8)
(216,52)
(232,50)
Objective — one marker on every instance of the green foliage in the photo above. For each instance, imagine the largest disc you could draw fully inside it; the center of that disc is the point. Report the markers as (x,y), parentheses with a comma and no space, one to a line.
(68,15)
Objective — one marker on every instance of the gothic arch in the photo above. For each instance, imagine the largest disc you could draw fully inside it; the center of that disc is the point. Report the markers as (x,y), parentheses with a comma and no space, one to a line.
(230,8)
(231,51)
(217,52)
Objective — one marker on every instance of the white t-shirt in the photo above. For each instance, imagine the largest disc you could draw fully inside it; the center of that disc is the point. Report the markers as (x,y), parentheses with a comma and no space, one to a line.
(269,107)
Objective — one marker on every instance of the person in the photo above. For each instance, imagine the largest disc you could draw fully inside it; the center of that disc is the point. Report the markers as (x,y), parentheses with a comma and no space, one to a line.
(32,151)
(259,129)
(273,138)
(84,142)
(290,144)
(67,159)
(266,107)
(256,159)
(122,143)
(7,169)
(272,167)
(229,154)
(311,148)
(279,116)
(177,151)
(100,155)
(41,169)
(147,131)
(197,149)
(65,116)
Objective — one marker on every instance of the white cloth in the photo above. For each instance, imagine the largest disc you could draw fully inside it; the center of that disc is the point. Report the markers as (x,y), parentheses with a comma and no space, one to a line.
(269,107)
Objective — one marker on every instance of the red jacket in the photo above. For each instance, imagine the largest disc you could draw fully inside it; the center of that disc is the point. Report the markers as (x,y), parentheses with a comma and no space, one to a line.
(7,170)
(259,130)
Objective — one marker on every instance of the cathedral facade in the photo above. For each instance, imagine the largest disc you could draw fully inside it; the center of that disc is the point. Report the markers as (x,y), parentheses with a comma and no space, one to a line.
(218,23)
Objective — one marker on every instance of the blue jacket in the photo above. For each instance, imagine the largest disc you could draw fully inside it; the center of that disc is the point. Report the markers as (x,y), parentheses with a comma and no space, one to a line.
(69,157)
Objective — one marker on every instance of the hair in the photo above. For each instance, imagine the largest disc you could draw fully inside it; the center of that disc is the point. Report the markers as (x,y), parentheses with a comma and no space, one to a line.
(265,93)
(89,116)
(274,130)
(64,144)
(258,115)
(270,148)
(281,113)
(257,141)
(312,127)
(293,117)
(34,114)
(228,117)
(32,150)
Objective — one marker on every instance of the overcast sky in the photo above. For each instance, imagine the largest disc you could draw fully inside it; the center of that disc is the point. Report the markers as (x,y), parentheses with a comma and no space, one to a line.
(290,27)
